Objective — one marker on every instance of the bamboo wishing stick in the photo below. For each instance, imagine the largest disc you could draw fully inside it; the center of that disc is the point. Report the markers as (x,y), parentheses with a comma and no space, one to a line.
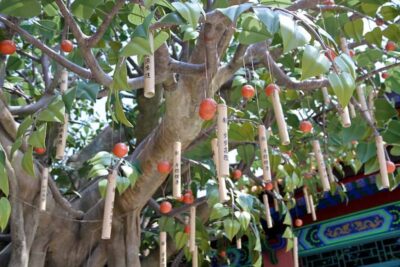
(192,233)
(330,174)
(267,211)
(363,101)
(295,252)
(223,193)
(43,188)
(222,126)
(380,151)
(176,181)
(325,95)
(321,166)
(63,128)
(109,205)
(238,243)
(345,117)
(306,199)
(163,249)
(280,119)
(276,203)
(149,71)
(195,257)
(312,207)
(352,111)
(262,138)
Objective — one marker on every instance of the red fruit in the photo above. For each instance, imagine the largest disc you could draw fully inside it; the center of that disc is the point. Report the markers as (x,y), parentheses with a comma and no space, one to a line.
(385,75)
(207,110)
(40,150)
(165,207)
(248,91)
(187,229)
(305,126)
(269,90)
(352,53)
(67,46)
(237,174)
(379,21)
(298,222)
(330,54)
(120,150)
(390,166)
(390,46)
(222,254)
(268,186)
(188,198)
(7,47)
(164,167)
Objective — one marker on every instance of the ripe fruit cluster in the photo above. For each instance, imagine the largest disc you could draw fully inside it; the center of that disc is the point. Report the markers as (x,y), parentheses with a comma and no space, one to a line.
(237,174)
(271,88)
(248,91)
(390,166)
(7,47)
(164,167)
(208,108)
(67,46)
(305,126)
(165,207)
(120,150)
(40,150)
(390,46)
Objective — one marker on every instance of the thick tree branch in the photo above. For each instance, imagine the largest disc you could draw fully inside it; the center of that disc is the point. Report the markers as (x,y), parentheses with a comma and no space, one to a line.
(75,29)
(84,73)
(374,72)
(31,108)
(95,38)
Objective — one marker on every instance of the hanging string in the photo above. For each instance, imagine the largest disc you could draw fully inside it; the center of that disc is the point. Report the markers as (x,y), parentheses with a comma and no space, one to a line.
(255,85)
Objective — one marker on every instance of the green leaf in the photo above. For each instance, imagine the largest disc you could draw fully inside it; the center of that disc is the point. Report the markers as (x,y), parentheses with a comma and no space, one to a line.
(292,34)
(103,187)
(84,9)
(69,98)
(172,18)
(246,152)
(87,91)
(372,165)
(288,233)
(143,29)
(120,77)
(354,29)
(233,12)
(189,11)
(392,133)
(369,57)
(17,144)
(313,63)
(245,201)
(181,240)
(25,124)
(27,162)
(385,111)
(122,184)
(218,212)
(269,18)
(231,228)
(3,173)
(97,170)
(346,64)
(392,32)
(119,112)
(244,218)
(20,8)
(365,151)
(288,219)
(343,85)
(241,132)
(374,36)
(102,158)
(253,30)
(38,137)
(137,46)
(54,111)
(389,12)
(5,212)
(131,173)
